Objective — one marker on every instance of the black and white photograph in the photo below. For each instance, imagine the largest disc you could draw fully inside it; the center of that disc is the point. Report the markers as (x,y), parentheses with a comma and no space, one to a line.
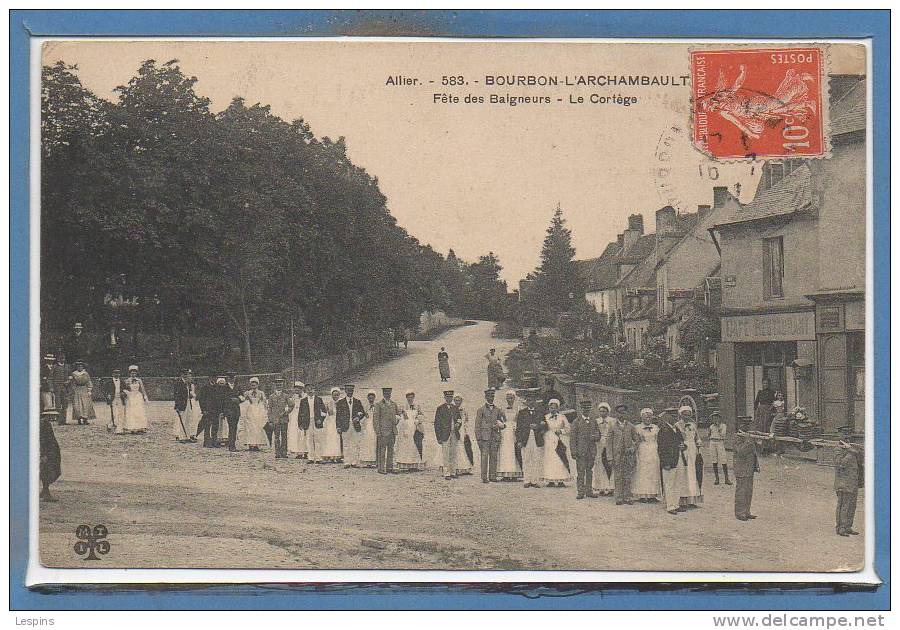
(406,305)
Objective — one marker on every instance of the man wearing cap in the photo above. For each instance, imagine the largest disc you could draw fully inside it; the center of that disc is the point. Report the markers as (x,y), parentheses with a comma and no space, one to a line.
(59,384)
(297,438)
(280,407)
(489,420)
(746,464)
(231,407)
(384,421)
(181,393)
(312,420)
(350,414)
(848,479)
(114,394)
(670,447)
(447,423)
(47,380)
(76,343)
(583,437)
(530,440)
(208,400)
(620,446)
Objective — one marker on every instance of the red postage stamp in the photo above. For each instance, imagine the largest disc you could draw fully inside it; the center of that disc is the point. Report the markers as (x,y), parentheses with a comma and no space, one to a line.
(759,102)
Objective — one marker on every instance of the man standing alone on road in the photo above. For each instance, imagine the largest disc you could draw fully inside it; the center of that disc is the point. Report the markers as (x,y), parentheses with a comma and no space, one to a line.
(583,438)
(447,422)
(386,417)
(488,422)
(746,464)
(848,477)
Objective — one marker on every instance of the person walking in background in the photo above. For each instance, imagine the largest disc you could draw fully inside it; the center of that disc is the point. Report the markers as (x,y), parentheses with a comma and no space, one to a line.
(76,346)
(489,420)
(181,394)
(692,494)
(762,406)
(280,406)
(447,424)
(59,385)
(135,403)
(256,416)
(368,456)
(297,437)
(583,437)
(465,454)
(350,416)
(620,446)
(509,459)
(387,415)
(82,389)
(409,437)
(645,486)
(444,364)
(746,464)
(717,452)
(114,394)
(530,440)
(848,479)
(603,471)
(557,463)
(495,375)
(670,447)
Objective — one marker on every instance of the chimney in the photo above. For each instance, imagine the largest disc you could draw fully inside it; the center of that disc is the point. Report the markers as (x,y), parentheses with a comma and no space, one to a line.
(620,239)
(665,221)
(720,196)
(703,210)
(636,222)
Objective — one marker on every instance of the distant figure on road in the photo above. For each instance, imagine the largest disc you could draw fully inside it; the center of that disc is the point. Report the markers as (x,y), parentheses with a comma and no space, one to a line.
(444,364)
(495,375)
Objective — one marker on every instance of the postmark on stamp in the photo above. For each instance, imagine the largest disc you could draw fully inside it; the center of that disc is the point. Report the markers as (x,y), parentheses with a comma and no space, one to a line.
(759,102)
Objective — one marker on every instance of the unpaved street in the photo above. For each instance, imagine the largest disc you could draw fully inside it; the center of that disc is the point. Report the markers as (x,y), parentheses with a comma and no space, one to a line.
(179,505)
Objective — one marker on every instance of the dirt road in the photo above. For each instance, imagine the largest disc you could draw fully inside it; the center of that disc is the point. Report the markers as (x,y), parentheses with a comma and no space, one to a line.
(179,505)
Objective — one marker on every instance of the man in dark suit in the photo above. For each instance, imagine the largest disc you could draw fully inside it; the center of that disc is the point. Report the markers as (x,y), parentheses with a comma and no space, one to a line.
(209,397)
(231,407)
(583,437)
(181,393)
(386,417)
(670,446)
(848,479)
(488,421)
(59,384)
(312,419)
(349,412)
(447,423)
(746,464)
(530,438)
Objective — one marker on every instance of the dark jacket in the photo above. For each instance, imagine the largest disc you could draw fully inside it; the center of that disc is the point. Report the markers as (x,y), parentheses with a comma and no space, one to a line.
(530,421)
(210,400)
(231,400)
(318,409)
(486,419)
(669,443)
(744,456)
(181,393)
(445,418)
(583,437)
(346,410)
(109,389)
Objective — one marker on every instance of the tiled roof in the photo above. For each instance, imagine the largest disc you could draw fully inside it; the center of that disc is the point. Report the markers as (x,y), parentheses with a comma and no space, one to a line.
(642,248)
(643,312)
(849,113)
(599,273)
(791,194)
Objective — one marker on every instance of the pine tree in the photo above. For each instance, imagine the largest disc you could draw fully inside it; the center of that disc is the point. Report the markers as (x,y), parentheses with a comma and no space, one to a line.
(558,285)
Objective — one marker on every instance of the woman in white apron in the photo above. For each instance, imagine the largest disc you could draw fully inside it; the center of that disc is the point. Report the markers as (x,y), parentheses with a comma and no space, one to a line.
(296,437)
(603,474)
(331,442)
(556,473)
(508,467)
(646,485)
(367,458)
(691,494)
(406,454)
(256,416)
(135,403)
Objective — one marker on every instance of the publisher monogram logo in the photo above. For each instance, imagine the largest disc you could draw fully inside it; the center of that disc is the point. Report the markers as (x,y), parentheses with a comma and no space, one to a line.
(92,541)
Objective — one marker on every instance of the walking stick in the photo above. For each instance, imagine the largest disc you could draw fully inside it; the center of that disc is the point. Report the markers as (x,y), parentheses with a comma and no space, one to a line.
(181,420)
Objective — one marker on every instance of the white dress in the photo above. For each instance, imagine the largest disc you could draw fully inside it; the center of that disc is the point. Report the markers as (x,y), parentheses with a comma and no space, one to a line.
(554,468)
(406,455)
(135,405)
(331,439)
(603,482)
(691,492)
(254,417)
(296,437)
(367,438)
(463,465)
(507,466)
(646,483)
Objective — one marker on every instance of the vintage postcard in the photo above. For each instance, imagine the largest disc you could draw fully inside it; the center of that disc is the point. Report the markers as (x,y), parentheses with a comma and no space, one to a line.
(329,310)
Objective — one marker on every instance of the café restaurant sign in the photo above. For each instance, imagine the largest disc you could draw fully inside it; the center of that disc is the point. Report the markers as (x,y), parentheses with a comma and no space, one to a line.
(770,327)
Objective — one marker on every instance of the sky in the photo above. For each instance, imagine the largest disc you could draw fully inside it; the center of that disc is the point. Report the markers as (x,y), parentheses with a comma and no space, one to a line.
(471,177)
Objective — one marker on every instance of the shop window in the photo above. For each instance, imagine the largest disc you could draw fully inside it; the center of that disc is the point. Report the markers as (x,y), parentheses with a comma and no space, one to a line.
(773,267)
(857,355)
